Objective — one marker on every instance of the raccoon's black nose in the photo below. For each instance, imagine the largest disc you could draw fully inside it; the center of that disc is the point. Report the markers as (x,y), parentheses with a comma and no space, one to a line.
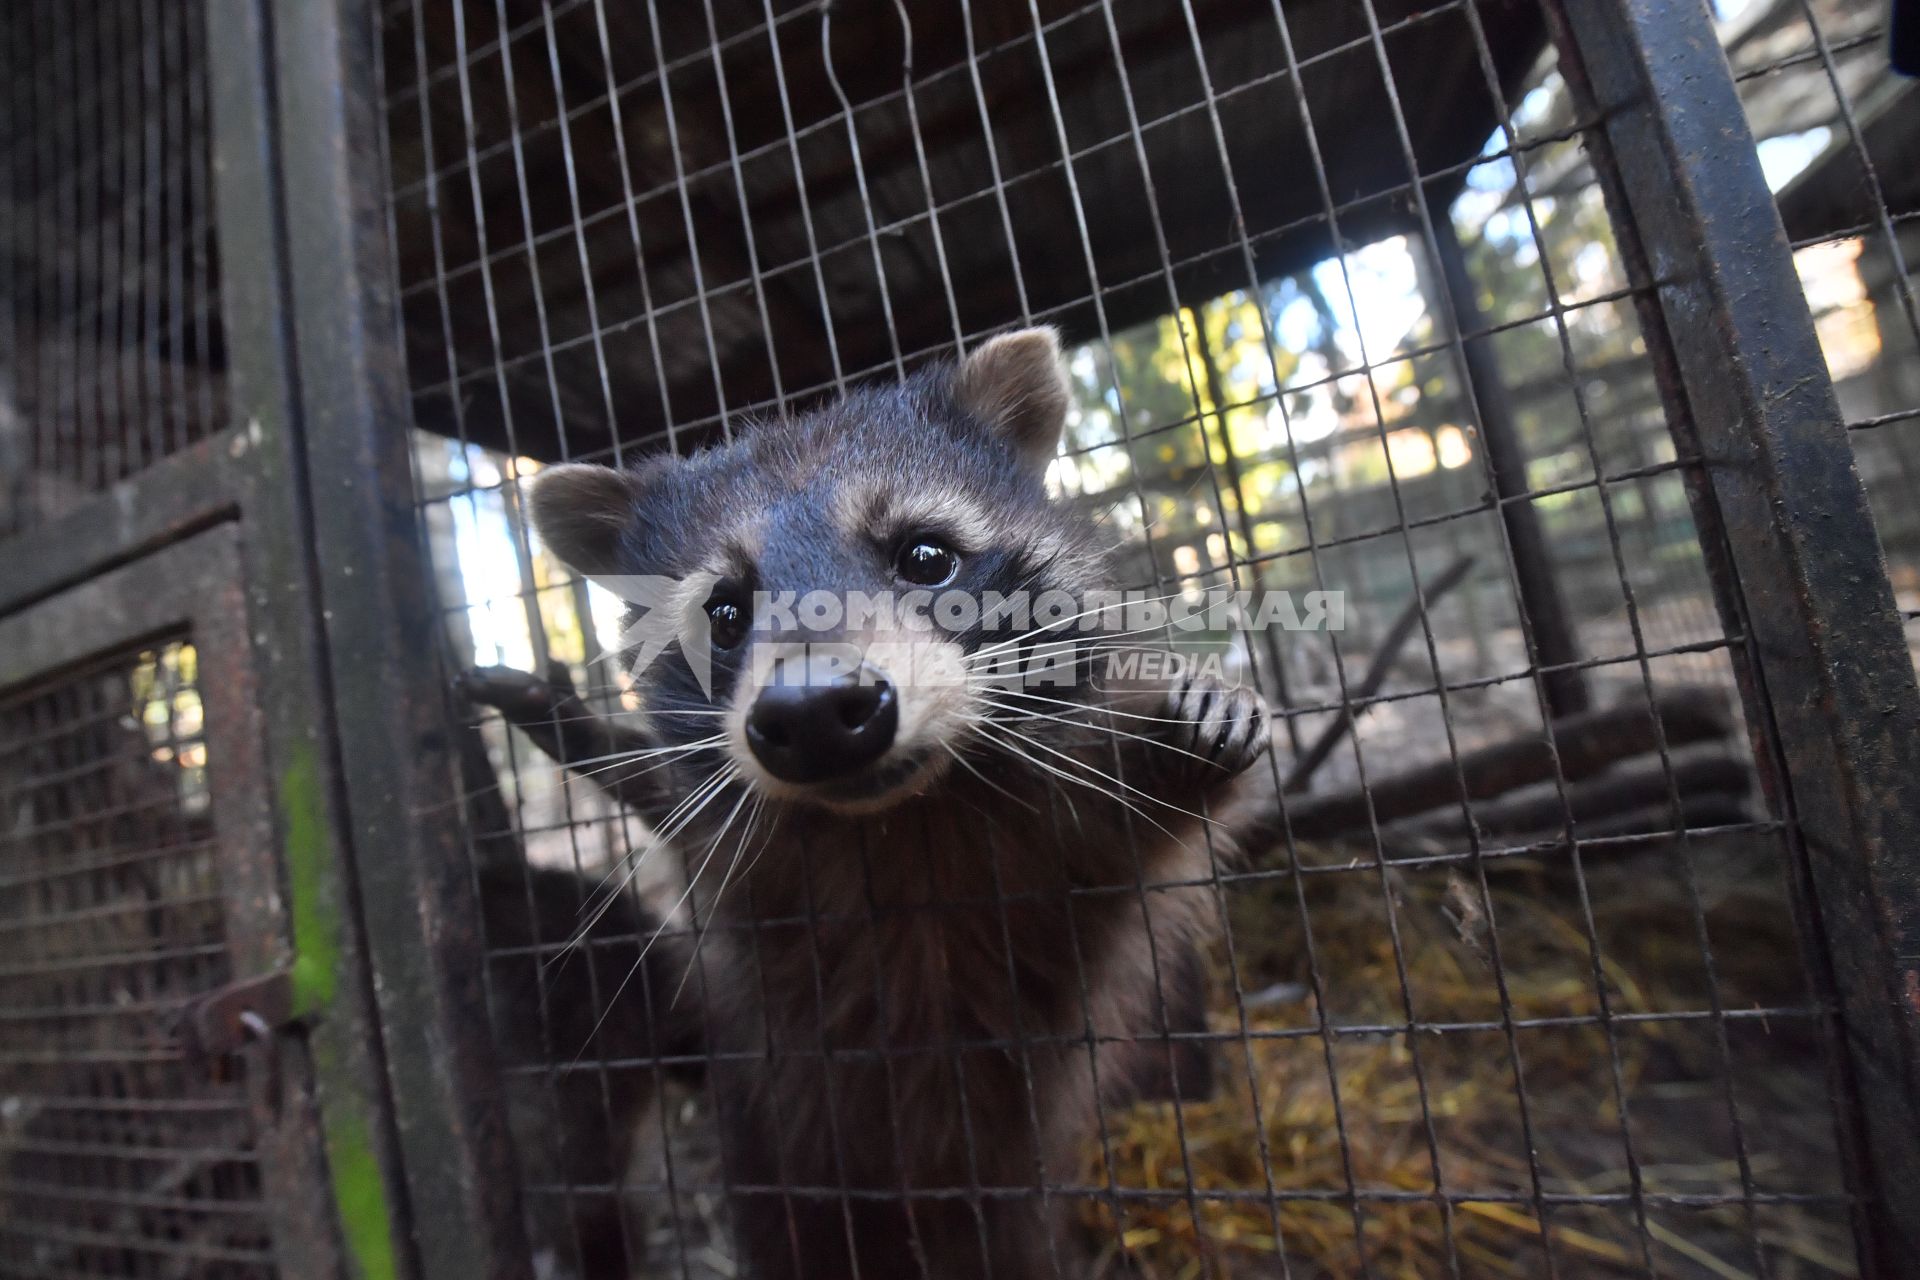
(815,722)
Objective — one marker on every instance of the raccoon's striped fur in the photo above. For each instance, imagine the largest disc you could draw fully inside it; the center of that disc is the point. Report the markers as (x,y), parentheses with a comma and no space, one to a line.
(918,982)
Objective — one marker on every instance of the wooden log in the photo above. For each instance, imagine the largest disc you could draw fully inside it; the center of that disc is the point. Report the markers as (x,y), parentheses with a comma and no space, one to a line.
(1639,783)
(1584,744)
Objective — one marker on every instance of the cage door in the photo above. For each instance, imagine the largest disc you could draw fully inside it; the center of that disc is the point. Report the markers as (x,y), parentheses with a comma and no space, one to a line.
(139,880)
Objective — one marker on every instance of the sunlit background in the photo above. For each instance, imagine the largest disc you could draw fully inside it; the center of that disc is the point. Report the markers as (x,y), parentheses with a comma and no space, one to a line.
(1206,436)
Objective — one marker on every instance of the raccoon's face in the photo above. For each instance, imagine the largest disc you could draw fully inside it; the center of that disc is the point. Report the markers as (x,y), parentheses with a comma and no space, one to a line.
(843,589)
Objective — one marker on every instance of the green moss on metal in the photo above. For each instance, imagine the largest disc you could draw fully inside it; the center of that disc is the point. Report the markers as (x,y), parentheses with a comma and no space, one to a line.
(359,1191)
(314,907)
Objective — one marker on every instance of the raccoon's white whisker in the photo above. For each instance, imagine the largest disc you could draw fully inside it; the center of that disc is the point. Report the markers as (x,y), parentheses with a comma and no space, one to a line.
(713,908)
(655,766)
(964,763)
(747,795)
(1094,643)
(1122,639)
(692,795)
(1111,711)
(1091,640)
(584,718)
(1096,638)
(693,882)
(1097,728)
(984,734)
(670,827)
(571,770)
(618,758)
(1075,778)
(576,774)
(766,841)
(659,839)
(709,787)
(1107,777)
(1057,623)
(1031,636)
(1119,542)
(665,919)
(1083,663)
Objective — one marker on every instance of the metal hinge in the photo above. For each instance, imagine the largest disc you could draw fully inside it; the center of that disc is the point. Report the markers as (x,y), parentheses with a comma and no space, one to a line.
(245,1016)
(246,1012)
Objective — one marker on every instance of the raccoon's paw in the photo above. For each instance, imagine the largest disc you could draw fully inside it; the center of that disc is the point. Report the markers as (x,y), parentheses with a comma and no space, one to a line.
(1221,728)
(518,695)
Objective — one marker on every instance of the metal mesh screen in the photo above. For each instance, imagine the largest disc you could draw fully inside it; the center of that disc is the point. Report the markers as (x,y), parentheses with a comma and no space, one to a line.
(1345,311)
(1838,136)
(110,343)
(117,1156)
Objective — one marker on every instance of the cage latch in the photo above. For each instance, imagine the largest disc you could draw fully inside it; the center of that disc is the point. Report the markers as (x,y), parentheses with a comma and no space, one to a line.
(226,1021)
(242,1015)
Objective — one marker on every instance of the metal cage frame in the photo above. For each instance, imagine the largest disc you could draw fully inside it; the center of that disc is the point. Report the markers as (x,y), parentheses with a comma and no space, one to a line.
(398,1086)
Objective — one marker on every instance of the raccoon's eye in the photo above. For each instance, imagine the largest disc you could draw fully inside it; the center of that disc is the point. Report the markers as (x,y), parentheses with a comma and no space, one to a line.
(726,623)
(927,562)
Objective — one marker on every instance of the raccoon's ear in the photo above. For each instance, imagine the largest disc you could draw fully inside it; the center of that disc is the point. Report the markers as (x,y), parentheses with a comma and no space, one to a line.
(1017,384)
(580,512)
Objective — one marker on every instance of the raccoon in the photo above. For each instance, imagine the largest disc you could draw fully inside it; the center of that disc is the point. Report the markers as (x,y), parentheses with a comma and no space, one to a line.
(940,920)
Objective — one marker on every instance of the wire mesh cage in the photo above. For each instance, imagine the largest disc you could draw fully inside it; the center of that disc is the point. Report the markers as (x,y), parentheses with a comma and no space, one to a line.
(111,321)
(1562,931)
(1344,309)
(120,1152)
(1837,128)
(122,1156)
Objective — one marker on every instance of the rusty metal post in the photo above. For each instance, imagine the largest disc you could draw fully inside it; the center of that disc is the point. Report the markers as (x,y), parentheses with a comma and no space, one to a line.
(1828,685)
(1563,682)
(393,749)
